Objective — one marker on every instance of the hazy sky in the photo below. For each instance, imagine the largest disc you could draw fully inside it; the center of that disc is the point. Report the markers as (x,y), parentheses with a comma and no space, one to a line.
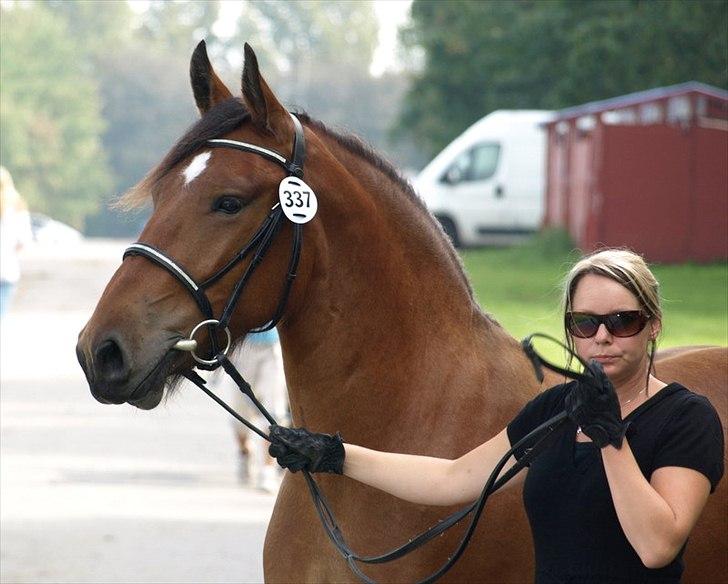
(390,13)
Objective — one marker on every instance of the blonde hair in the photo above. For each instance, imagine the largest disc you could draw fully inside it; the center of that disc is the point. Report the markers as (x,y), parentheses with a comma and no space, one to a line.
(624,267)
(10,199)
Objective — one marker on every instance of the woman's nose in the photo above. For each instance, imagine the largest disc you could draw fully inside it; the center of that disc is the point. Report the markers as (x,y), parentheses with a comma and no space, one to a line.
(602,335)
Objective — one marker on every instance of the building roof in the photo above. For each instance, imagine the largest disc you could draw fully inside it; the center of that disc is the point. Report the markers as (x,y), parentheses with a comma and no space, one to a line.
(631,99)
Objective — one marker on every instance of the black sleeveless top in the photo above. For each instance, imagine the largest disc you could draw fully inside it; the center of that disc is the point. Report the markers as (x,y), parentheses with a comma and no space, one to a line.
(576,532)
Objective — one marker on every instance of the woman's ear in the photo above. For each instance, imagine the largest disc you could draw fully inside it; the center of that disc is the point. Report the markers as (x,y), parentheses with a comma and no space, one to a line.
(655,328)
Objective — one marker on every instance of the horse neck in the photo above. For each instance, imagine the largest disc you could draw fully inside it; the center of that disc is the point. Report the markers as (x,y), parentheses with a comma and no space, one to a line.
(387,313)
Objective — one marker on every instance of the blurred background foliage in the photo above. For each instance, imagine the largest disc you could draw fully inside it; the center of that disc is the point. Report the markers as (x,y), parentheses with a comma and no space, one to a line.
(552,54)
(93,93)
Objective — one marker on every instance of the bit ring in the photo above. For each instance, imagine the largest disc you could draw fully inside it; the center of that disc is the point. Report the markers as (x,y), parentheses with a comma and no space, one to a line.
(190,344)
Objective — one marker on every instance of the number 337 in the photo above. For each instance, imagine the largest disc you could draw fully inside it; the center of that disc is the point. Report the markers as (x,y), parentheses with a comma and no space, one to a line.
(297,198)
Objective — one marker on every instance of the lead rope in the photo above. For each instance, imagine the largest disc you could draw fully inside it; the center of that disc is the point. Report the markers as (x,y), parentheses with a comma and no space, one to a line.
(543,435)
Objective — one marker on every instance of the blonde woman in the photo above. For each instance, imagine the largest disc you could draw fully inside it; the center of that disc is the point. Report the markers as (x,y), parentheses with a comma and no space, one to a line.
(14,233)
(615,497)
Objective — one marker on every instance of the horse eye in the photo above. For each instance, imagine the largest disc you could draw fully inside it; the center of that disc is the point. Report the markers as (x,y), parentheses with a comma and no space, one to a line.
(227,204)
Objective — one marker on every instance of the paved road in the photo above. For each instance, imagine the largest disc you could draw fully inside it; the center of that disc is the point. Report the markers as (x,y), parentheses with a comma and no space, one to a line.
(94,493)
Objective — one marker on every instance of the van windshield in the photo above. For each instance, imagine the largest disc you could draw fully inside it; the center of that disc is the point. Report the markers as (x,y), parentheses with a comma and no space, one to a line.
(475,164)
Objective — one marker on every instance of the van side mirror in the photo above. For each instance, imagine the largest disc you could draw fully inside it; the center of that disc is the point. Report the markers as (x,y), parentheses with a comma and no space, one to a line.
(453,176)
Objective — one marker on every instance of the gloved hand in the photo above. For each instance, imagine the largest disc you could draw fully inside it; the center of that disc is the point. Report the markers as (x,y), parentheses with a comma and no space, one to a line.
(297,448)
(593,405)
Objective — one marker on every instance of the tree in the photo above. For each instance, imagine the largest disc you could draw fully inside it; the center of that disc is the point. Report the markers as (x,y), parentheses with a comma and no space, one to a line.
(50,115)
(140,63)
(117,83)
(317,56)
(172,26)
(100,24)
(147,105)
(482,56)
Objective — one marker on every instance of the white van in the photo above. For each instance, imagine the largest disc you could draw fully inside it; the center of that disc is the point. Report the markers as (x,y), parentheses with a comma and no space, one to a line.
(487,186)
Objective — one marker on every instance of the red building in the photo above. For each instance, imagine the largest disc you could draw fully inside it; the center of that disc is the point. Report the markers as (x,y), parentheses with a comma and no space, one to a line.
(647,170)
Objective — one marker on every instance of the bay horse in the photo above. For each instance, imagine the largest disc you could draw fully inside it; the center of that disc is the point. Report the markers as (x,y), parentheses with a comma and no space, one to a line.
(382,337)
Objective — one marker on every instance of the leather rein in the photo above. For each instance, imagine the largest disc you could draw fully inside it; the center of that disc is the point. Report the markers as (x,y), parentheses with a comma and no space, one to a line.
(258,245)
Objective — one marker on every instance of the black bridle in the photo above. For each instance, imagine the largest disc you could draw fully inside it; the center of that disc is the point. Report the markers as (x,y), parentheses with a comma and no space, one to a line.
(260,243)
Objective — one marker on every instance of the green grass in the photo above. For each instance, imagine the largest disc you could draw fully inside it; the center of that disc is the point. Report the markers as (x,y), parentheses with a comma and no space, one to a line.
(520,287)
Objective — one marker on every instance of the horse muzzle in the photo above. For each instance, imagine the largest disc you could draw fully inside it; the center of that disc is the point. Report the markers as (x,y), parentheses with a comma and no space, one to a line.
(113,377)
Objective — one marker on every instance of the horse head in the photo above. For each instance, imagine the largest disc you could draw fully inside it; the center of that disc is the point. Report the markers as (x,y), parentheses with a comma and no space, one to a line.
(208,201)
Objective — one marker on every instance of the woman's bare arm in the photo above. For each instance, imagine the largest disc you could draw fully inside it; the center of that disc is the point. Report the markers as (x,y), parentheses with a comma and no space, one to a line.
(427,480)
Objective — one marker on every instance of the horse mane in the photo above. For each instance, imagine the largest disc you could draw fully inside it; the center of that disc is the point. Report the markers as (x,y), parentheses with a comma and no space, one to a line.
(225,117)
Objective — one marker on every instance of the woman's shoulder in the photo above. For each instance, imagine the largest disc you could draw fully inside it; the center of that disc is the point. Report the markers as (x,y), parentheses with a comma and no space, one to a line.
(685,407)
(680,397)
(691,434)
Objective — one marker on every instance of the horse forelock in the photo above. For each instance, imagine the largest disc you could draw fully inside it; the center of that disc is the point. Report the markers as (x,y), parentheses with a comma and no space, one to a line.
(217,122)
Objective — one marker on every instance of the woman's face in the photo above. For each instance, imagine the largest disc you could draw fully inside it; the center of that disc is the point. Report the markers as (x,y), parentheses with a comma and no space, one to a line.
(623,358)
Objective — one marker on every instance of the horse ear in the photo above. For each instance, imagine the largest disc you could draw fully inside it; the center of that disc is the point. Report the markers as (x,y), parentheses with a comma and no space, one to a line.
(263,105)
(206,85)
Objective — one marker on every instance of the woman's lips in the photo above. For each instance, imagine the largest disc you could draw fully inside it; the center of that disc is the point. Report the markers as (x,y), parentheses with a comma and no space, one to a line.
(605,358)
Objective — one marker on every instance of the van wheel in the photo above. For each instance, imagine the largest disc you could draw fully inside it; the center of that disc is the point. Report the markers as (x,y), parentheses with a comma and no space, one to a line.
(448,226)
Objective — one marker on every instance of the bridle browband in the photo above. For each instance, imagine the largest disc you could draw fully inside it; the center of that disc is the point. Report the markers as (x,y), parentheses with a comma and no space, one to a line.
(260,242)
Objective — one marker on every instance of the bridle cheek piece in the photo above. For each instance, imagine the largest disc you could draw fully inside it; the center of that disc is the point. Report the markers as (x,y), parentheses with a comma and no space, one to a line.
(259,243)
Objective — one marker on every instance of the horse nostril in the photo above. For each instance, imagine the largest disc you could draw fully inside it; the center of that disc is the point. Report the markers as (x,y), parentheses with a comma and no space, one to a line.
(110,361)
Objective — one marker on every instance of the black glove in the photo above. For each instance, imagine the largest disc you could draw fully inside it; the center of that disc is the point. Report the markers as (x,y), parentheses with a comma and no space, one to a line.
(297,448)
(594,407)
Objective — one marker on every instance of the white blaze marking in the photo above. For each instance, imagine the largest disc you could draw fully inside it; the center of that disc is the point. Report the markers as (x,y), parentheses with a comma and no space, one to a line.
(198,164)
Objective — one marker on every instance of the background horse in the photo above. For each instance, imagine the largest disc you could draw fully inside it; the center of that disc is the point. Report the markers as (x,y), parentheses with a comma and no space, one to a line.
(382,337)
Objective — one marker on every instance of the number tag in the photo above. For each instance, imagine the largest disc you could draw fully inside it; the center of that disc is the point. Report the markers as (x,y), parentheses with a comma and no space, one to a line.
(298,200)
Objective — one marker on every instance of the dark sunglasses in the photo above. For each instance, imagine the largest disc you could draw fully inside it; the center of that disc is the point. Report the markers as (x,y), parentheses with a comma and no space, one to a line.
(620,324)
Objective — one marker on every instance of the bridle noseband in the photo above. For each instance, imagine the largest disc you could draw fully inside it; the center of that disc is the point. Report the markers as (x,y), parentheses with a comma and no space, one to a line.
(259,243)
